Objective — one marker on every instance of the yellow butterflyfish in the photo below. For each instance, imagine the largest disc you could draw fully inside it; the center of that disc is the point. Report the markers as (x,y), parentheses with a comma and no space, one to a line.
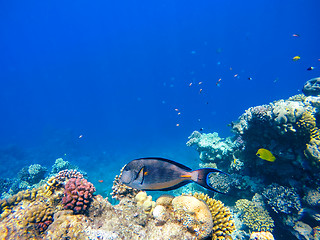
(265,155)
(296,58)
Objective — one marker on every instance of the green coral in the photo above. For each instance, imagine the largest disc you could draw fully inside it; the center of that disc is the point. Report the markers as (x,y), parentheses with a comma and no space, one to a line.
(256,218)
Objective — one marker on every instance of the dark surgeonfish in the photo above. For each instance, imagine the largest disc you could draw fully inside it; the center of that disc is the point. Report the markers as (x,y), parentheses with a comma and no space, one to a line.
(160,174)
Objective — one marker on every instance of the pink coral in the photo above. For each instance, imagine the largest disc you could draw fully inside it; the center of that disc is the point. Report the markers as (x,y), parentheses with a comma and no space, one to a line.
(42,226)
(78,194)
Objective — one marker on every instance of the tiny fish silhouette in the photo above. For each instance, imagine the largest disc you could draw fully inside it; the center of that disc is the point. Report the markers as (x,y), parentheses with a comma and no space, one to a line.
(160,174)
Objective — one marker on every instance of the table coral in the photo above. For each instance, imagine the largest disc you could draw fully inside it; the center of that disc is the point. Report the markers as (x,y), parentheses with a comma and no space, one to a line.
(78,194)
(256,218)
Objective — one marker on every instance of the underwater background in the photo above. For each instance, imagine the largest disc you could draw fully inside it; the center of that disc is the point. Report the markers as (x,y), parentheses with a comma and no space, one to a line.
(101,83)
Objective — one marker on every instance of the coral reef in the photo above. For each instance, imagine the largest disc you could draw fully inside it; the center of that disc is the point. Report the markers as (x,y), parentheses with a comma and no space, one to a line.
(78,195)
(194,214)
(210,146)
(256,218)
(282,199)
(60,165)
(32,174)
(120,190)
(312,198)
(223,225)
(67,174)
(145,201)
(261,236)
(41,214)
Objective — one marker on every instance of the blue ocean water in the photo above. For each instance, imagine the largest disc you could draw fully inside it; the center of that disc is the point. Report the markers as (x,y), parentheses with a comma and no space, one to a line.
(101,83)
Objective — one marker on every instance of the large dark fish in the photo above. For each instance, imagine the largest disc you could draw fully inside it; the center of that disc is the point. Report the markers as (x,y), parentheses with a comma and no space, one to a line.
(163,175)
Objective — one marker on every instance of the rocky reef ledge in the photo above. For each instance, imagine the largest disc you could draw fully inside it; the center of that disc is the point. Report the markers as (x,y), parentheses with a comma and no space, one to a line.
(65,207)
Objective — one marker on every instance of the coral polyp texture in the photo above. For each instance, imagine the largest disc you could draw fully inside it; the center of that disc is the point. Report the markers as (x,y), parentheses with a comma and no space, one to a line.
(194,214)
(254,217)
(120,190)
(210,146)
(282,199)
(223,224)
(78,195)
(261,236)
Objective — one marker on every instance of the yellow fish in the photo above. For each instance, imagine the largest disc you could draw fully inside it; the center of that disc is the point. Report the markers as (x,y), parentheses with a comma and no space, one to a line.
(296,58)
(265,155)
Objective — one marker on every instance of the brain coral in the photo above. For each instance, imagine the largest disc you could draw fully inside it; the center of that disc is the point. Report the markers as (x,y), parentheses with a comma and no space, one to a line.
(256,218)
(194,214)
(78,194)
(223,225)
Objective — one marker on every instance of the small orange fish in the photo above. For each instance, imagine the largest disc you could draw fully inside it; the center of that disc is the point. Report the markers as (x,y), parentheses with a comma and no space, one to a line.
(200,90)
(295,35)
(177,110)
(100,181)
(177,125)
(81,136)
(236,75)
(179,113)
(218,82)
(190,84)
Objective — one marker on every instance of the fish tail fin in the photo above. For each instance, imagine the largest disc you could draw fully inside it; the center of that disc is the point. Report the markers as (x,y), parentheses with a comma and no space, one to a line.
(200,177)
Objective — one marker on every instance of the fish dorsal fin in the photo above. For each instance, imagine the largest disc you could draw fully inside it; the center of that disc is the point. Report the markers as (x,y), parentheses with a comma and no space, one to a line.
(168,161)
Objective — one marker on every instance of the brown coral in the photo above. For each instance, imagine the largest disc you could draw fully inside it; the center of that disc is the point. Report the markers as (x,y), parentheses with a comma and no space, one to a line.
(223,224)
(39,214)
(256,218)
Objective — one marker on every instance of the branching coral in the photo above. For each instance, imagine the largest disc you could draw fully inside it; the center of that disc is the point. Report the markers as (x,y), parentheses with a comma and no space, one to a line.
(120,190)
(210,146)
(256,218)
(223,225)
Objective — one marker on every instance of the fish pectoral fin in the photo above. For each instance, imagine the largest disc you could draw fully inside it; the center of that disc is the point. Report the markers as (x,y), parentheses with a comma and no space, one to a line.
(140,175)
(186,176)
